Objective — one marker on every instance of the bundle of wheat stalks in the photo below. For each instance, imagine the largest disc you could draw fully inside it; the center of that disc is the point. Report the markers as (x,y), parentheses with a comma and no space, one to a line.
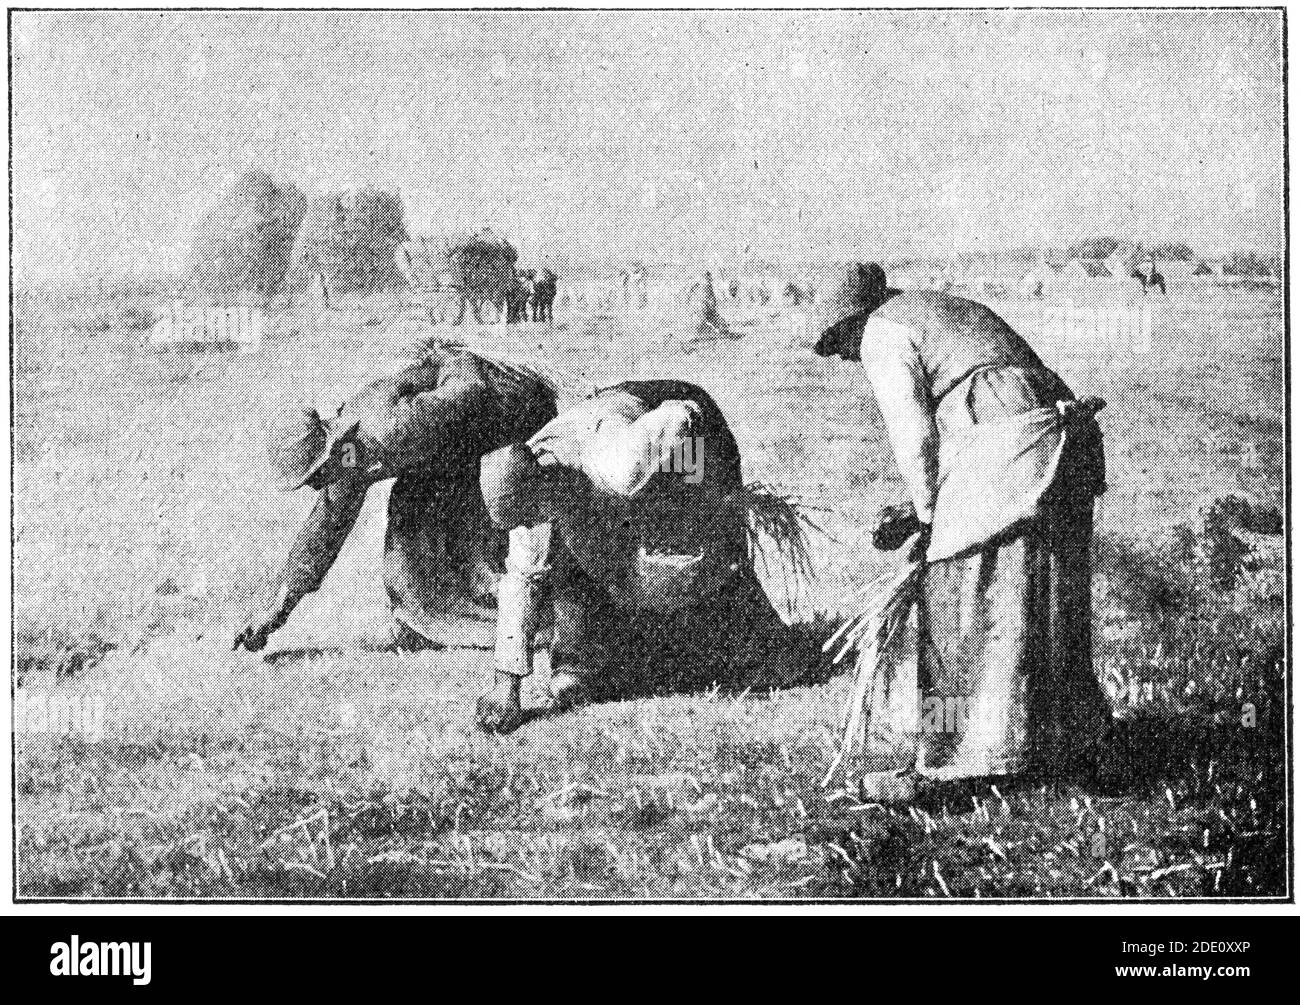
(784,522)
(889,601)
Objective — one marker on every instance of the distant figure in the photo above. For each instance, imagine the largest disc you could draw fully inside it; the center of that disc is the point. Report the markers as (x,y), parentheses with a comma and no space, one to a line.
(527,289)
(427,427)
(640,282)
(405,265)
(1147,275)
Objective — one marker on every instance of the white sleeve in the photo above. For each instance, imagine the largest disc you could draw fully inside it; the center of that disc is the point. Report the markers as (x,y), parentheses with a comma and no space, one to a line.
(623,455)
(902,392)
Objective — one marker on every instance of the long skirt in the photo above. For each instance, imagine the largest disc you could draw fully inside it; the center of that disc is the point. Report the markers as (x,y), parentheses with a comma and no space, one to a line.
(733,639)
(1005,640)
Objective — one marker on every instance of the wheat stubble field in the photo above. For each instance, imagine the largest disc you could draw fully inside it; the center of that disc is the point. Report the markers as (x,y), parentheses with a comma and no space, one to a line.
(329,769)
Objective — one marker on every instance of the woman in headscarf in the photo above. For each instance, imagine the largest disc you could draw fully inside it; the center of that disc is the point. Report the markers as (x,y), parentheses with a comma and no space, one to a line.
(629,513)
(1002,464)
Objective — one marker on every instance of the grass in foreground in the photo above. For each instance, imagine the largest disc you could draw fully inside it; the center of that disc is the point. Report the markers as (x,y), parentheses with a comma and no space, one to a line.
(140,519)
(656,802)
(348,775)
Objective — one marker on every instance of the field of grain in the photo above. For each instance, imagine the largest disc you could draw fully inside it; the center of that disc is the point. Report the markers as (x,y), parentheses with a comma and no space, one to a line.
(144,525)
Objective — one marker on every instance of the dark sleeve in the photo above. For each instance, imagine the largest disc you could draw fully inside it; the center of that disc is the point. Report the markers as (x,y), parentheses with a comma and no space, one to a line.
(319,541)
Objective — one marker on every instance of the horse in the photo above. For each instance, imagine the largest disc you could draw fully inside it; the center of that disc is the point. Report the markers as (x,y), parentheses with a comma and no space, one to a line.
(1150,278)
(542,299)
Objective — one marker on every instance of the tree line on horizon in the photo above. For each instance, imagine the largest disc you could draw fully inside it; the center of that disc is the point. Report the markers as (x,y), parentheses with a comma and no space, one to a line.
(1241,263)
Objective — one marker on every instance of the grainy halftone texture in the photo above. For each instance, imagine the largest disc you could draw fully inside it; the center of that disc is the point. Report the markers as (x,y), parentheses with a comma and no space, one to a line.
(221,216)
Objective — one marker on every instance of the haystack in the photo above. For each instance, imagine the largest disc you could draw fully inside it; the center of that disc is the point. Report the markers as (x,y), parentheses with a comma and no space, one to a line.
(483,265)
(242,245)
(348,242)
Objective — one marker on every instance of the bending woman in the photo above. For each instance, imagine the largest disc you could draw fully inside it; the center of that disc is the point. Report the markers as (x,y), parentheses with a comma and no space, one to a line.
(627,512)
(1002,464)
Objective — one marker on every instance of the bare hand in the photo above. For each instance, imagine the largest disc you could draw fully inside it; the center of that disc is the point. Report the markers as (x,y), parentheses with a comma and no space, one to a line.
(253,638)
(673,420)
(257,630)
(894,525)
(669,425)
(562,440)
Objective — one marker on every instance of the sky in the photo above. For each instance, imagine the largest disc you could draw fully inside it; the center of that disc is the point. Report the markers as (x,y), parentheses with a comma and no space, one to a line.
(661,136)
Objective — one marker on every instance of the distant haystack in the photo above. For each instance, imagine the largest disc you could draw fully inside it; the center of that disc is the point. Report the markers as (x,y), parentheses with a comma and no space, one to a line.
(1082,270)
(242,245)
(706,321)
(348,242)
(1042,280)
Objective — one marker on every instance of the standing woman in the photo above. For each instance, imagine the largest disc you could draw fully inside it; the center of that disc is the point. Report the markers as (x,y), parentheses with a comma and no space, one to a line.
(1002,465)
